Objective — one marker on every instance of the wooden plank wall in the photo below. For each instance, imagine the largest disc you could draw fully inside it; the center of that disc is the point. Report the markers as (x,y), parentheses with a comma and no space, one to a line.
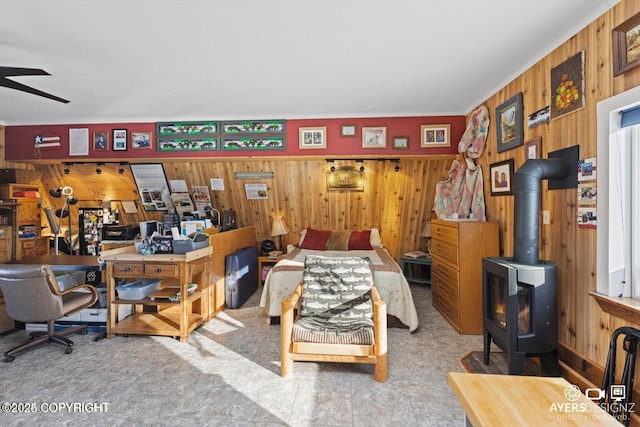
(399,203)
(584,328)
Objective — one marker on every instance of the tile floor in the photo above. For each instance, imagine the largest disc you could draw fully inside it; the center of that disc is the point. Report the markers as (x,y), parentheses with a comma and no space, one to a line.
(228,373)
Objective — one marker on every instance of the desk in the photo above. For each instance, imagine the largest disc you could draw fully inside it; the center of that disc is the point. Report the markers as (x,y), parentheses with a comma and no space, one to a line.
(64,262)
(511,400)
(407,265)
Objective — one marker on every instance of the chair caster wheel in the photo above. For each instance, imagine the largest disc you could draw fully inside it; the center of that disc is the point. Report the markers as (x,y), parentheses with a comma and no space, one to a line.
(68,350)
(9,358)
(84,332)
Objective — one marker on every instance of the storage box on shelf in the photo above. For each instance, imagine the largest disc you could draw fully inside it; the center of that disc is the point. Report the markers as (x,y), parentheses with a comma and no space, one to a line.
(456,271)
(158,316)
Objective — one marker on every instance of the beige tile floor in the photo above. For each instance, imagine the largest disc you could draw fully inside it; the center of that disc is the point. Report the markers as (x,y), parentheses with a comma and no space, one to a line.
(228,373)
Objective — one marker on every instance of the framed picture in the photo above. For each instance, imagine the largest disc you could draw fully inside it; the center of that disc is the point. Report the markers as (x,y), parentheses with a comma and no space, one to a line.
(626,51)
(567,86)
(501,175)
(509,129)
(345,178)
(348,130)
(400,142)
(532,149)
(374,137)
(100,141)
(119,140)
(435,136)
(312,137)
(141,139)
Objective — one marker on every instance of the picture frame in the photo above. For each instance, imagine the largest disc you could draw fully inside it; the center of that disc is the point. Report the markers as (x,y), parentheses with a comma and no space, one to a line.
(501,177)
(346,178)
(400,142)
(312,137)
(532,149)
(374,137)
(119,140)
(101,141)
(625,55)
(435,136)
(141,140)
(509,129)
(348,131)
(567,86)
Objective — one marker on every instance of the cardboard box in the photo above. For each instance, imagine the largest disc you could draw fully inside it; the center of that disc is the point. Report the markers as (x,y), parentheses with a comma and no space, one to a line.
(198,241)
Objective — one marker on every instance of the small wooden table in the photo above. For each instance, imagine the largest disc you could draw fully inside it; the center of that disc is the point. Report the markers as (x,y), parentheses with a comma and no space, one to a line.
(262,261)
(407,265)
(512,400)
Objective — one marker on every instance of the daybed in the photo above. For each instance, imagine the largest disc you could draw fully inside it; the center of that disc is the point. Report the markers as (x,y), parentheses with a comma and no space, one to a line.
(390,282)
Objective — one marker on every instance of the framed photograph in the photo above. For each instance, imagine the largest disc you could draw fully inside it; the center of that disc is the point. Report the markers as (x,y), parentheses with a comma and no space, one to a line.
(374,137)
(141,139)
(435,136)
(400,142)
(509,130)
(567,86)
(345,178)
(532,149)
(626,51)
(501,175)
(312,137)
(119,140)
(100,141)
(348,130)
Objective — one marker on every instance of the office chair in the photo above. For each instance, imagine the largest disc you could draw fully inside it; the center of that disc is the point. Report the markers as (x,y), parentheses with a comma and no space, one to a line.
(32,294)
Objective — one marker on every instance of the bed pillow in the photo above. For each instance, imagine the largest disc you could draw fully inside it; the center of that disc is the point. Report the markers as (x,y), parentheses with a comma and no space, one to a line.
(360,240)
(338,241)
(315,239)
(376,241)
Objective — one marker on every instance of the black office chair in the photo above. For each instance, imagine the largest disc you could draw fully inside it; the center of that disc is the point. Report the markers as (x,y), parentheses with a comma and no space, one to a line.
(617,394)
(32,294)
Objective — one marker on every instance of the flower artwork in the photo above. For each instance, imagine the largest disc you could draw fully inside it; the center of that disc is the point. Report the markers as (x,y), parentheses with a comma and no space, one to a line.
(567,86)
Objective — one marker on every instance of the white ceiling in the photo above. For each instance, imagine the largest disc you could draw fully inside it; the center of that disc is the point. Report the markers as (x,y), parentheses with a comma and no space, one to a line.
(159,60)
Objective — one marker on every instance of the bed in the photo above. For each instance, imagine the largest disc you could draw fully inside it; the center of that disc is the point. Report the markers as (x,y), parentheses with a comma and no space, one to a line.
(388,278)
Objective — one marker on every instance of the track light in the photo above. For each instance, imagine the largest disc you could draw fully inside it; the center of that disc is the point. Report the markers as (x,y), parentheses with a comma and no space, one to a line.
(98,169)
(121,170)
(333,167)
(397,167)
(361,165)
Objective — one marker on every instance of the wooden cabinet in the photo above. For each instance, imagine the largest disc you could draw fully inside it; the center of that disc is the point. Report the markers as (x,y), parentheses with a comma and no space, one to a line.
(159,316)
(456,272)
(28,218)
(7,234)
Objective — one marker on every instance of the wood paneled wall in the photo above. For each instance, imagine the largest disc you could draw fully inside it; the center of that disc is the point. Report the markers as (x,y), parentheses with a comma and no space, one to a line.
(399,203)
(583,327)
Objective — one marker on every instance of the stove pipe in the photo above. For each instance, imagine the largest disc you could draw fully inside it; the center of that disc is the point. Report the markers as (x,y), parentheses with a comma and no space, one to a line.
(526,189)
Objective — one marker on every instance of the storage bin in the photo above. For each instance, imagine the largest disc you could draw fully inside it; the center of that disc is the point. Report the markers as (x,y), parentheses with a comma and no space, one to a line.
(138,289)
(199,241)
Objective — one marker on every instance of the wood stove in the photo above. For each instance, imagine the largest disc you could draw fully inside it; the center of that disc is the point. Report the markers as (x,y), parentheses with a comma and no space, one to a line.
(520,312)
(519,294)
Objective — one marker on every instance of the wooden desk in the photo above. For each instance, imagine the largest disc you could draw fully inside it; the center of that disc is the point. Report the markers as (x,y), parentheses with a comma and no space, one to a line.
(511,400)
(64,262)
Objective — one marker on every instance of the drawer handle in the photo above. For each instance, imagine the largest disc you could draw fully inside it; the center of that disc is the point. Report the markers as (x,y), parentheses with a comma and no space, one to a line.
(127,270)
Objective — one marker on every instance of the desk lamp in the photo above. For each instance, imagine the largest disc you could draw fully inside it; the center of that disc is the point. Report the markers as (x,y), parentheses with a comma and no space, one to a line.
(69,199)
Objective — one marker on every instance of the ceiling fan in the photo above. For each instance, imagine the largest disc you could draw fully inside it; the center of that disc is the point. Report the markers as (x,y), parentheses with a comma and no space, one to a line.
(16,71)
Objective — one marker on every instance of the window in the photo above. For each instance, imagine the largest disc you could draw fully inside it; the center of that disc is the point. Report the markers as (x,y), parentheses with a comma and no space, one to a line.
(618,187)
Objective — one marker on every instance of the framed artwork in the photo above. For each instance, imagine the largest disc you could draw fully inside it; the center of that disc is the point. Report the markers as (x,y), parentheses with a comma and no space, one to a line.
(374,137)
(626,50)
(345,178)
(435,136)
(509,130)
(119,140)
(400,142)
(567,86)
(141,139)
(501,176)
(100,141)
(312,137)
(348,130)
(532,149)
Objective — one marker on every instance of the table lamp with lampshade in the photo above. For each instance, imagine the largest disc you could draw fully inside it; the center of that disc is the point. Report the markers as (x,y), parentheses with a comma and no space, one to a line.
(426,232)
(279,229)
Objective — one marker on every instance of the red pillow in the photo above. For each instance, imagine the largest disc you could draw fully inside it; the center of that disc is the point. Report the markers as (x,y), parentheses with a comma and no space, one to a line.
(360,240)
(315,239)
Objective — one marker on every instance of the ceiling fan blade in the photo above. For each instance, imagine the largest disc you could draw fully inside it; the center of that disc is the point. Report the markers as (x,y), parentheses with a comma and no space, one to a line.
(18,71)
(24,88)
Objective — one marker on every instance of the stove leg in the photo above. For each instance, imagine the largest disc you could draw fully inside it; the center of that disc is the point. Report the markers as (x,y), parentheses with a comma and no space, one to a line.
(487,346)
(549,364)
(515,362)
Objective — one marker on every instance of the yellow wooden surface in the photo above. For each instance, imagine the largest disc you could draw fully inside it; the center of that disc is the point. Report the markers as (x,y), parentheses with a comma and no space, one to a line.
(512,400)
